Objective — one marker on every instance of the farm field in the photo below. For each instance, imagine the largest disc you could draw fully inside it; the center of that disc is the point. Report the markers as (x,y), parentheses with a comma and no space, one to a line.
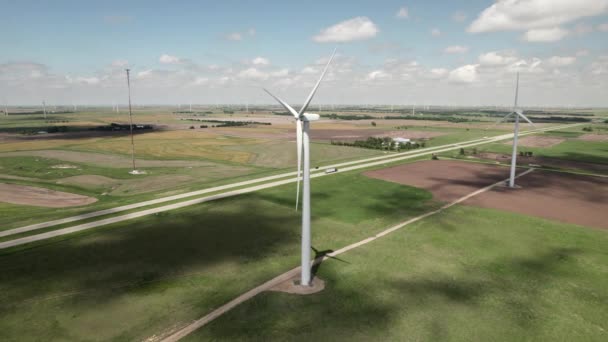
(558,196)
(176,159)
(165,270)
(572,145)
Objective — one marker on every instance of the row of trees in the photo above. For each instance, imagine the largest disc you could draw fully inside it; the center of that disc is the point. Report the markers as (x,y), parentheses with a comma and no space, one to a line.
(222,123)
(385,143)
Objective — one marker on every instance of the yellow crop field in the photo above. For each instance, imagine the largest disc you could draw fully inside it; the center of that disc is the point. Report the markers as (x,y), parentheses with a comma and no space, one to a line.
(175,144)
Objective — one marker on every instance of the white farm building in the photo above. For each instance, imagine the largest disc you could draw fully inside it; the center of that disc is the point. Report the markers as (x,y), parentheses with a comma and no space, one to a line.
(402,140)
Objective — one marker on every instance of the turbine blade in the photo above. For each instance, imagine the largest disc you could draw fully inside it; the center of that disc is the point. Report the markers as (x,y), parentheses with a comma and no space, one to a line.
(520,113)
(284,104)
(314,90)
(502,119)
(299,149)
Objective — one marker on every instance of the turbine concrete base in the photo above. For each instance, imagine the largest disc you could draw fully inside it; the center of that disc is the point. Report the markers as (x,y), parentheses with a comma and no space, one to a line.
(293,286)
(506,185)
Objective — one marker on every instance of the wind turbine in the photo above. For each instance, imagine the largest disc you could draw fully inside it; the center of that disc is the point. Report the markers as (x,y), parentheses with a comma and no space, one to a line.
(134,171)
(303,121)
(44,108)
(518,113)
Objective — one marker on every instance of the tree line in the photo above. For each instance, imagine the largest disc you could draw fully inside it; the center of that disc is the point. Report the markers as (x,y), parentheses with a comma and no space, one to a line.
(385,143)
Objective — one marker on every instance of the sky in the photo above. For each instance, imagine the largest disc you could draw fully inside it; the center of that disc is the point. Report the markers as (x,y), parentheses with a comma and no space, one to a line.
(388,52)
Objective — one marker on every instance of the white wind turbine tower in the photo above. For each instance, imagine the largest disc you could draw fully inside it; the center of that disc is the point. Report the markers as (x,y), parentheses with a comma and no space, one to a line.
(518,113)
(44,108)
(303,120)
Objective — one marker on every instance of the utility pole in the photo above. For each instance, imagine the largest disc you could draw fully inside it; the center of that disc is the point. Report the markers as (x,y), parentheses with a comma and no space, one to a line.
(131,121)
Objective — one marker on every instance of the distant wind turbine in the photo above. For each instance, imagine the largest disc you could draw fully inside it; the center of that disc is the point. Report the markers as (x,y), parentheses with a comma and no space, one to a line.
(518,113)
(134,171)
(303,121)
(44,109)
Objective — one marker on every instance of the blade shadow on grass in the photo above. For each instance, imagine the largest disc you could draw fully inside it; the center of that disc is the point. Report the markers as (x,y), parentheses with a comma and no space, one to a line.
(366,304)
(320,257)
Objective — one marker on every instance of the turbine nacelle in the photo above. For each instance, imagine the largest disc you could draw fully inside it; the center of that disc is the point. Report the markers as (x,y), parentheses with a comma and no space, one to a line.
(310,117)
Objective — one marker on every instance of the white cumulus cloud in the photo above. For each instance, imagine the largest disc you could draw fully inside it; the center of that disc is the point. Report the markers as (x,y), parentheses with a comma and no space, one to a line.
(378,75)
(359,28)
(260,61)
(519,15)
(545,35)
(435,32)
(253,74)
(439,72)
(464,74)
(559,61)
(280,73)
(168,59)
(144,73)
(309,70)
(603,27)
(496,58)
(533,66)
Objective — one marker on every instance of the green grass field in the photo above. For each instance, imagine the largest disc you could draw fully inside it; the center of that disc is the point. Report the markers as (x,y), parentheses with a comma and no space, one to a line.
(135,279)
(467,274)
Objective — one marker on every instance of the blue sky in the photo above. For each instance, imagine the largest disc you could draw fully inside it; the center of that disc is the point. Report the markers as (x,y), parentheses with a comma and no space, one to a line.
(78,49)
